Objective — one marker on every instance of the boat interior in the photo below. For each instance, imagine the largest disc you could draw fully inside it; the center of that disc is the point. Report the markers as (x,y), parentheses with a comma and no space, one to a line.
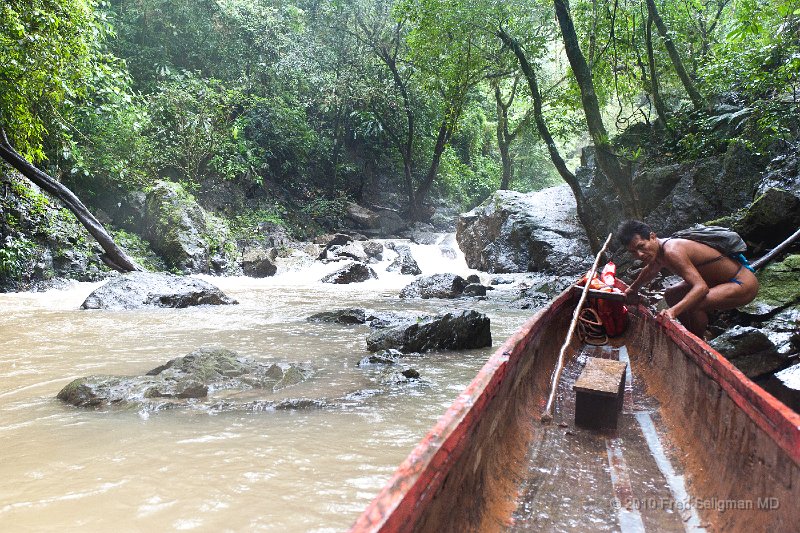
(696,446)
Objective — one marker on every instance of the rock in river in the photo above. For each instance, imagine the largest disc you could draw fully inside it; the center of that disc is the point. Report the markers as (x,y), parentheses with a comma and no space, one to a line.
(452,331)
(197,376)
(435,286)
(146,289)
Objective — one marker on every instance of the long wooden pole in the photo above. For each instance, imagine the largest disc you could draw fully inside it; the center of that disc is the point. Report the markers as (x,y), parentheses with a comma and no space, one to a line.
(547,415)
(775,251)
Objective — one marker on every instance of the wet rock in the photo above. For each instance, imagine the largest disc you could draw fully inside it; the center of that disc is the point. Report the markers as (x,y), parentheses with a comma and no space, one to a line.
(352,273)
(749,350)
(780,288)
(390,221)
(336,239)
(473,278)
(785,386)
(195,376)
(515,232)
(341,316)
(404,262)
(385,357)
(410,373)
(361,217)
(474,289)
(435,286)
(187,237)
(452,331)
(374,251)
(353,250)
(145,289)
(770,219)
(259,263)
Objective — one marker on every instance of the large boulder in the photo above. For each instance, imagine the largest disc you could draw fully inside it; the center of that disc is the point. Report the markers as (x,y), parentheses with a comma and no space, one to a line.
(352,273)
(404,262)
(187,237)
(435,286)
(515,232)
(674,196)
(200,375)
(452,331)
(259,262)
(361,217)
(145,289)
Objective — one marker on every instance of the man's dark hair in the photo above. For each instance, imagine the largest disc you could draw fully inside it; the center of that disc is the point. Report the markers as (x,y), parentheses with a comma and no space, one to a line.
(630,228)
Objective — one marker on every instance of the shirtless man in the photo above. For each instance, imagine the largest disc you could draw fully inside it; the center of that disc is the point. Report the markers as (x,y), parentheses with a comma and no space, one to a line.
(711,281)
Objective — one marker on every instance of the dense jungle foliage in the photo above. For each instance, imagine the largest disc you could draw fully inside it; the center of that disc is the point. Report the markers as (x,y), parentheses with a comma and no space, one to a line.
(335,100)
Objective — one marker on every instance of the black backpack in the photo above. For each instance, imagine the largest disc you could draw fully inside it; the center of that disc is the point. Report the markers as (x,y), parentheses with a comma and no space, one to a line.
(724,240)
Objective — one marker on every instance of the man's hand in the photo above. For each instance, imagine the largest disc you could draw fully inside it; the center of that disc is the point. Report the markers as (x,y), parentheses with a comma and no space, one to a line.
(632,297)
(667,314)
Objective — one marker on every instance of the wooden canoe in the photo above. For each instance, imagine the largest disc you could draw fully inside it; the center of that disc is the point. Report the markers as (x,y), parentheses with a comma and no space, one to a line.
(698,445)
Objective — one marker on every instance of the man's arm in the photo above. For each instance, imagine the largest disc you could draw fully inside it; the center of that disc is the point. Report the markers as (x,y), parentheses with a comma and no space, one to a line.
(648,273)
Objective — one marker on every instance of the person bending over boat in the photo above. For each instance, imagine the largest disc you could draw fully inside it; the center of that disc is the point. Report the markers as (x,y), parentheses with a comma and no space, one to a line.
(711,281)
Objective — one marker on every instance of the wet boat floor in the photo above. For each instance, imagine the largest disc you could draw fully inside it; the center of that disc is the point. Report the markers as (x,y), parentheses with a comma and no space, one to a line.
(626,480)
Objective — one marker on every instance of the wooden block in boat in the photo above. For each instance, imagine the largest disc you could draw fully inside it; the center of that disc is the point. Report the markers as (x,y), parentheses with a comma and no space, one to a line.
(599,392)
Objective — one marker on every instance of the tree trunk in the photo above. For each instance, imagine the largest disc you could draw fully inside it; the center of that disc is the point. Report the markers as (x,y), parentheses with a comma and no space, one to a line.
(544,133)
(688,84)
(114,256)
(504,137)
(618,174)
(445,132)
(661,110)
(407,146)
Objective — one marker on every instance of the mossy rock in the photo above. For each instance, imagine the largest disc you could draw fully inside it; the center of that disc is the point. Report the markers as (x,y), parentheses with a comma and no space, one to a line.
(188,238)
(780,287)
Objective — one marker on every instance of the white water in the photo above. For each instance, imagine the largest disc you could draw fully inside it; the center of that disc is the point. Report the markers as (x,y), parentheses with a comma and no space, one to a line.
(65,468)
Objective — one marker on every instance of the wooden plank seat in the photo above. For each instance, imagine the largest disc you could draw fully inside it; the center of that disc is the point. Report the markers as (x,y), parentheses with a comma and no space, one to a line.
(599,392)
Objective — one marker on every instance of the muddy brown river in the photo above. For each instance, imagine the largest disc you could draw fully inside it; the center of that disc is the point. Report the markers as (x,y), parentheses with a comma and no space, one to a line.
(65,468)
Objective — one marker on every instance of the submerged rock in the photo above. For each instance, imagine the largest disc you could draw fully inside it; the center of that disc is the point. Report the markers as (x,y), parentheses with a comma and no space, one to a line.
(146,289)
(341,316)
(196,376)
(452,331)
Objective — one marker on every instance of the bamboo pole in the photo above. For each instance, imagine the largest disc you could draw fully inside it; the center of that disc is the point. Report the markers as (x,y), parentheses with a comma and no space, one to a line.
(547,415)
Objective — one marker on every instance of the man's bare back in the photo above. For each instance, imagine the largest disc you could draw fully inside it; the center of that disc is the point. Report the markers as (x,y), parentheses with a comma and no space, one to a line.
(711,281)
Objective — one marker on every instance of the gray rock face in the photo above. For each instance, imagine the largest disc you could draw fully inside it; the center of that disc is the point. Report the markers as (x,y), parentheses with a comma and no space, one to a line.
(352,273)
(374,251)
(776,213)
(435,286)
(361,217)
(259,263)
(515,232)
(750,350)
(196,376)
(452,331)
(184,234)
(145,289)
(404,262)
